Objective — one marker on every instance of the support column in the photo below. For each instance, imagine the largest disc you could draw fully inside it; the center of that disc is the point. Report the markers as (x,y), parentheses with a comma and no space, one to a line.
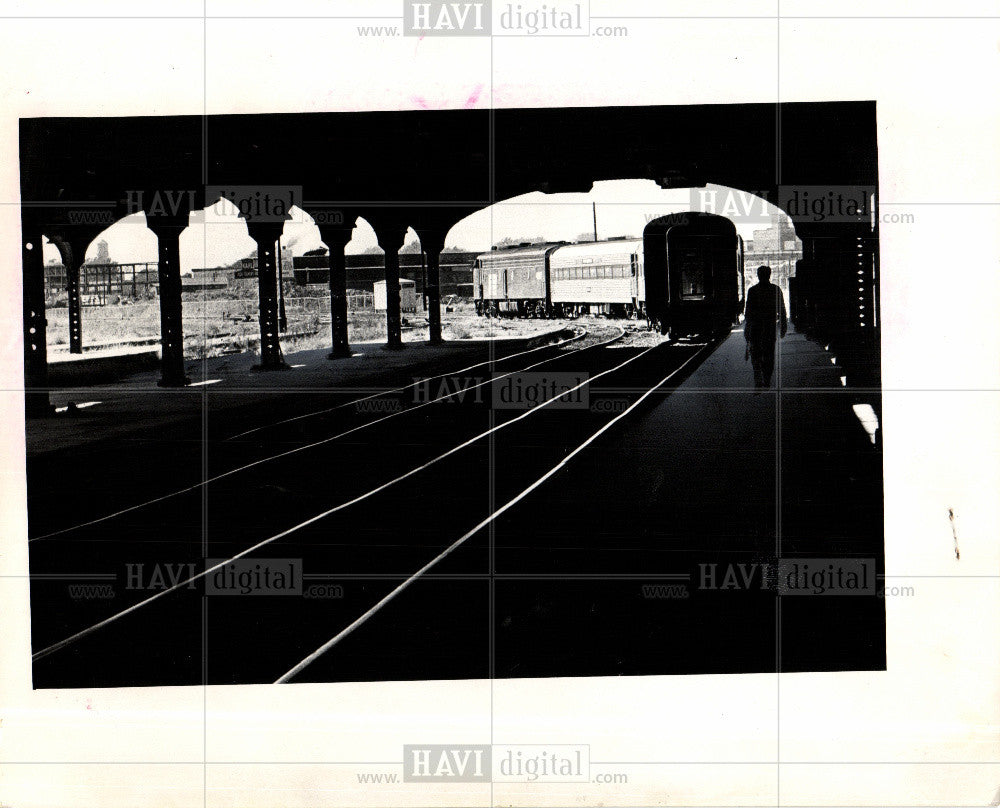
(74,306)
(335,237)
(73,253)
(266,234)
(390,239)
(36,394)
(432,242)
(168,236)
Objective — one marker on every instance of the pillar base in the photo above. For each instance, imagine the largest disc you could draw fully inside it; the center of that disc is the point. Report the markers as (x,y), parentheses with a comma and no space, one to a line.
(165,381)
(393,346)
(345,354)
(435,341)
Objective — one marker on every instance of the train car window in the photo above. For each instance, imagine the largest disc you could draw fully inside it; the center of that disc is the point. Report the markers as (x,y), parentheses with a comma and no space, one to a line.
(693,282)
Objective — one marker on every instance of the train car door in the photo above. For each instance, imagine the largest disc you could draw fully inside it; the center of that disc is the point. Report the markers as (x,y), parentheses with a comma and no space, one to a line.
(693,264)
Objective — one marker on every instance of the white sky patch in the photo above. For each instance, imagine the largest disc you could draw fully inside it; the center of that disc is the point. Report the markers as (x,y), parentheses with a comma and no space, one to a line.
(216,236)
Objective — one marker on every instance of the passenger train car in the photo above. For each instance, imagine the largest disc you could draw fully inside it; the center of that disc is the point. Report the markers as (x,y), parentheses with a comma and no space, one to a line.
(603,277)
(694,262)
(694,270)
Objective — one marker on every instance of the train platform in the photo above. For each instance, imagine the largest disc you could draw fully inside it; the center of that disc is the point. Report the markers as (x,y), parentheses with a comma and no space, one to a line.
(136,404)
(771,464)
(717,464)
(689,502)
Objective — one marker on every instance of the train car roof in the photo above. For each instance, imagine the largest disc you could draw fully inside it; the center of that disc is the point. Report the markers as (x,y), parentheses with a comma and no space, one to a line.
(521,250)
(597,249)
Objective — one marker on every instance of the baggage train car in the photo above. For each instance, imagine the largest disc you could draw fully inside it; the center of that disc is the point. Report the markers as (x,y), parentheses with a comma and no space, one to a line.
(514,281)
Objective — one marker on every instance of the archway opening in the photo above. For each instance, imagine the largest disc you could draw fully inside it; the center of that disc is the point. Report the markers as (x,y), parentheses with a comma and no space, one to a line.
(589,246)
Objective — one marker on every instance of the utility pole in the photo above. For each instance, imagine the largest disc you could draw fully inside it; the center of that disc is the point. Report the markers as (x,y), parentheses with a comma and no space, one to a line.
(595,219)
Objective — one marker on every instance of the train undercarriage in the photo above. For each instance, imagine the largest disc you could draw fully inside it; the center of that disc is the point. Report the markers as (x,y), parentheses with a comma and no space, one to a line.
(541,310)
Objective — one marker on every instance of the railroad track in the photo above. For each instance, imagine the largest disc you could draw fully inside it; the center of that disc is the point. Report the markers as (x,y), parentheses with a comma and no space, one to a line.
(396,508)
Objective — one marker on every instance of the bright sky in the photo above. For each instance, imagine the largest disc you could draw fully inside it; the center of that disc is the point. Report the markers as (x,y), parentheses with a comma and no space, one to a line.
(624,207)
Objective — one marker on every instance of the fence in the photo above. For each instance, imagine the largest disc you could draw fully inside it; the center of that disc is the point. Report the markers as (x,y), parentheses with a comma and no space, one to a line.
(99,283)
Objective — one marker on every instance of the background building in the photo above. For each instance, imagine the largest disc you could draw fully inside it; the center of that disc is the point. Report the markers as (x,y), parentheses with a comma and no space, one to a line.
(777,247)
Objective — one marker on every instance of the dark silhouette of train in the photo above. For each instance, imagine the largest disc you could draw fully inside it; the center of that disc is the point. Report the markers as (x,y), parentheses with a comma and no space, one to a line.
(684,276)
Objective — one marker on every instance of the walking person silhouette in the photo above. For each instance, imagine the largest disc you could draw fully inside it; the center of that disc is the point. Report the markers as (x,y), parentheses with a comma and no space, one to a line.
(765,314)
